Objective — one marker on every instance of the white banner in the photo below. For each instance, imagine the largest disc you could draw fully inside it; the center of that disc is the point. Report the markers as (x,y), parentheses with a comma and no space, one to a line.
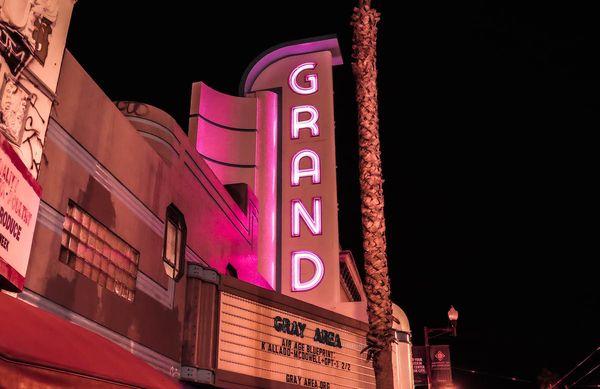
(19,202)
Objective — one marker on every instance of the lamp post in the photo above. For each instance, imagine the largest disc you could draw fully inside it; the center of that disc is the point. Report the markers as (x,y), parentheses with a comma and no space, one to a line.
(431,333)
(453,317)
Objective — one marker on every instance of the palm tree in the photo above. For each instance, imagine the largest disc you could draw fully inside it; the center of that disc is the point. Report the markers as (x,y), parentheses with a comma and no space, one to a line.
(377,283)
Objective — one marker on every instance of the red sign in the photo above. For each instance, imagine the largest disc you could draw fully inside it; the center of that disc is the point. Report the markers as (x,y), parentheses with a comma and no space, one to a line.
(441,369)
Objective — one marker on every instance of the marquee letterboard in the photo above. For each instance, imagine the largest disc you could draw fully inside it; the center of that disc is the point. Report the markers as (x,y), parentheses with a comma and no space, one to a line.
(261,341)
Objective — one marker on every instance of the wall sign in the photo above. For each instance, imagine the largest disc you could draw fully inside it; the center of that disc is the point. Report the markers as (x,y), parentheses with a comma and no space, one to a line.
(261,341)
(307,242)
(19,202)
(32,42)
(419,361)
(305,117)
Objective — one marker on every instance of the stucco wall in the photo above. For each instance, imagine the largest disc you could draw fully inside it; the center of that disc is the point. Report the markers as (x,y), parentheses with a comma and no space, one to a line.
(95,157)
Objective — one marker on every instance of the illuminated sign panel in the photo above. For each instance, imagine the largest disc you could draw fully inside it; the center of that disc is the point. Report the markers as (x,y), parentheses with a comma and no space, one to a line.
(32,43)
(308,242)
(261,341)
(298,211)
(19,202)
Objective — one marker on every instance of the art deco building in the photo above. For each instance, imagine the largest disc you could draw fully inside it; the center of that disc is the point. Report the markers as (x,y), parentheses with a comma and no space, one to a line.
(160,257)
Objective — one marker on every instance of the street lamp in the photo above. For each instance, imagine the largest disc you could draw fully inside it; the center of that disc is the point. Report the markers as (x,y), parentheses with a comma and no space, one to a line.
(431,333)
(453,317)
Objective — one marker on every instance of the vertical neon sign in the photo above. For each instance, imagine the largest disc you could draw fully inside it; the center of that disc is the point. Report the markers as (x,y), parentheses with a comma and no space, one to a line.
(306,240)
(298,210)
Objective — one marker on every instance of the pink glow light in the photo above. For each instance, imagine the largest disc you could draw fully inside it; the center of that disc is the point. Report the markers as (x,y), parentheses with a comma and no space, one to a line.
(312,222)
(314,171)
(311,79)
(297,284)
(329,43)
(266,182)
(310,123)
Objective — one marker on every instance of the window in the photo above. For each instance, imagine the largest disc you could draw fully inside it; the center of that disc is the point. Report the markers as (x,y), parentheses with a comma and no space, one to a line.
(174,245)
(231,271)
(97,253)
(402,336)
(348,284)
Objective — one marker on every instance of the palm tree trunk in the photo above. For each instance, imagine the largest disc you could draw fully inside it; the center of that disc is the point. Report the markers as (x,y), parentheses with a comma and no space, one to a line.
(377,283)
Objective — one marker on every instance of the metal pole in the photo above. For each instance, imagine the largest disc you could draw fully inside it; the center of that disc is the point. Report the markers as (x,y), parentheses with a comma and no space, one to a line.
(427,361)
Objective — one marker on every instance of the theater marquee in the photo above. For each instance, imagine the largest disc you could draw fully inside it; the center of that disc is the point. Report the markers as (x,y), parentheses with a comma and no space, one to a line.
(302,332)
(278,345)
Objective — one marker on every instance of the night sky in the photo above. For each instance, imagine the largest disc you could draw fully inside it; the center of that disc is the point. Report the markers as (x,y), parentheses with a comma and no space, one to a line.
(487,121)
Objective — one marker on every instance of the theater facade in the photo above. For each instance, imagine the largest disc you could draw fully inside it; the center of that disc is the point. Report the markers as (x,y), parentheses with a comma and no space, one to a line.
(136,253)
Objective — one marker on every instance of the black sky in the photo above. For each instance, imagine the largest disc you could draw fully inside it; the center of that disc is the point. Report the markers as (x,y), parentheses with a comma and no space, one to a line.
(488,117)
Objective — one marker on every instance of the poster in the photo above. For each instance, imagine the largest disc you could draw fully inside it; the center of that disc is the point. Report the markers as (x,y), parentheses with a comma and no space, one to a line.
(32,42)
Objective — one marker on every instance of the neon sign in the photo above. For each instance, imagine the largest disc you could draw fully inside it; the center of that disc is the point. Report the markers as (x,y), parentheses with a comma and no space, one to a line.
(302,286)
(311,122)
(311,79)
(314,171)
(312,222)
(298,209)
(295,176)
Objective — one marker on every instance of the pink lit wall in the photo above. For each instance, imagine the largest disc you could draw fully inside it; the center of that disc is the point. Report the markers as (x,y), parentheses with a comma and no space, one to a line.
(237,136)
(279,139)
